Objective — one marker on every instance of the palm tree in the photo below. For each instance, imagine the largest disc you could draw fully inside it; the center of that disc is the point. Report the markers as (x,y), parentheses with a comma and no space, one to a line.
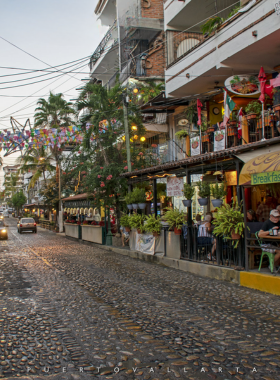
(150,90)
(54,112)
(38,161)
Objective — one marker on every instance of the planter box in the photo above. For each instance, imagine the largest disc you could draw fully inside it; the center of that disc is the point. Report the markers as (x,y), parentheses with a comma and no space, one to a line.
(73,230)
(173,245)
(94,234)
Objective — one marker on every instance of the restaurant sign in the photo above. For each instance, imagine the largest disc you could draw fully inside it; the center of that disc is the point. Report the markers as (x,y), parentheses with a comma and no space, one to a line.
(264,178)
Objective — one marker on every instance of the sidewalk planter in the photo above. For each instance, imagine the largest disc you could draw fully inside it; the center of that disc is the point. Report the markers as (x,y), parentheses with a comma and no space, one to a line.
(73,230)
(177,231)
(94,234)
(187,202)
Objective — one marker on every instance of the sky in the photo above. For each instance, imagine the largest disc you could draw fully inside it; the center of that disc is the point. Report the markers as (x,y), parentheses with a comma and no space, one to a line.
(55,32)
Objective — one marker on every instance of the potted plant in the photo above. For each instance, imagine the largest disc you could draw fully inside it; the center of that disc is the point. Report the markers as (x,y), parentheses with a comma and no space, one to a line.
(137,221)
(181,134)
(153,225)
(229,223)
(175,219)
(188,191)
(203,192)
(125,222)
(276,99)
(253,109)
(140,198)
(218,192)
(128,200)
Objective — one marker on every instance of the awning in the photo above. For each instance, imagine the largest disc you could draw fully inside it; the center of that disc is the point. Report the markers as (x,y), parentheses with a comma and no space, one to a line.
(264,163)
(247,156)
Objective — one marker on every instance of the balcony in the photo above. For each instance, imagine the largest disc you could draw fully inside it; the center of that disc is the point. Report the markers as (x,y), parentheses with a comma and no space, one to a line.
(242,45)
(188,14)
(103,60)
(106,11)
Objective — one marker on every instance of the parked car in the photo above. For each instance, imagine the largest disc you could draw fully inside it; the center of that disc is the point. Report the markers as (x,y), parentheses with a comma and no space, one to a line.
(1,216)
(27,224)
(3,230)
(6,214)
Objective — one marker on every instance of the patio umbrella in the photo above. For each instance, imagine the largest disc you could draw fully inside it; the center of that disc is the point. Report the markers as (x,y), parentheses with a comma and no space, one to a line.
(262,79)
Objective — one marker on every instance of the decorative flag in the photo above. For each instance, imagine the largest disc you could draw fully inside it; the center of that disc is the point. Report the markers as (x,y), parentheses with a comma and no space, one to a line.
(262,79)
(275,82)
(239,116)
(199,106)
(229,106)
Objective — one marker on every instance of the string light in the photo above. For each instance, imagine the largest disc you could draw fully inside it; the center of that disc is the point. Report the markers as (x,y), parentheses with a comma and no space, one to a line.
(142,138)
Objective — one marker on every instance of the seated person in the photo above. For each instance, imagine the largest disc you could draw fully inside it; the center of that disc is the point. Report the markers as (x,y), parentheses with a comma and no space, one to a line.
(197,220)
(272,223)
(251,216)
(125,236)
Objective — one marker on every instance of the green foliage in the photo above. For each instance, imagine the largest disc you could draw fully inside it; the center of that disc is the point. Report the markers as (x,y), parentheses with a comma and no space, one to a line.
(139,195)
(125,221)
(150,90)
(236,79)
(18,200)
(181,134)
(189,191)
(153,224)
(174,218)
(254,107)
(129,199)
(203,189)
(234,11)
(212,24)
(228,220)
(137,221)
(218,191)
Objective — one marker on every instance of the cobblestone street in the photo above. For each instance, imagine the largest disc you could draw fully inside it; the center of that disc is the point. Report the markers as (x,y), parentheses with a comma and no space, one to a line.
(73,311)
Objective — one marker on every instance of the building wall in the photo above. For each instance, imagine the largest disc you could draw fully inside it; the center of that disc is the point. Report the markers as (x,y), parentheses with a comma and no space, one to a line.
(156,62)
(152,9)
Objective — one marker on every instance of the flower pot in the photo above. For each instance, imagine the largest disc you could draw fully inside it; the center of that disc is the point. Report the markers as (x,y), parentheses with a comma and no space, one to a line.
(142,206)
(277,107)
(156,234)
(235,236)
(177,231)
(187,202)
(139,231)
(129,207)
(127,229)
(135,206)
(217,202)
(203,201)
(251,116)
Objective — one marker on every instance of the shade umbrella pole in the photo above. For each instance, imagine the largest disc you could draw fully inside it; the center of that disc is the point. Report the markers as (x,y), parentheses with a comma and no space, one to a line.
(263,121)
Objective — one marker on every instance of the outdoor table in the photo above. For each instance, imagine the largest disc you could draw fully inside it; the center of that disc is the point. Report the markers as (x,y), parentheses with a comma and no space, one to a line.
(269,237)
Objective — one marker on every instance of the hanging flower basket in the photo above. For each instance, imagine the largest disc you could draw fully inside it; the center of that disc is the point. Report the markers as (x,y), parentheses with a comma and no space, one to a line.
(129,207)
(142,206)
(203,201)
(217,202)
(187,202)
(135,206)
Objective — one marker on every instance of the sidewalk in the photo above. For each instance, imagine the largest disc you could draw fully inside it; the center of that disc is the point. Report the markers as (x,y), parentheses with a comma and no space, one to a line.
(265,282)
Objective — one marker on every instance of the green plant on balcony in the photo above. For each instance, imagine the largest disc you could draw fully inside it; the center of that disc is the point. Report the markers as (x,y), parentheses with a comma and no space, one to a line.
(181,134)
(212,24)
(253,108)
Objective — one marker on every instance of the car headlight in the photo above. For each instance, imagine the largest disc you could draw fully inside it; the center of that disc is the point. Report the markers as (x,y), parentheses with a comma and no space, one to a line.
(3,231)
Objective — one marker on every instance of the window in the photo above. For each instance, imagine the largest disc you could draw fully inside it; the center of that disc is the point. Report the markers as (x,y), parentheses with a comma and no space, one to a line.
(29,220)
(186,45)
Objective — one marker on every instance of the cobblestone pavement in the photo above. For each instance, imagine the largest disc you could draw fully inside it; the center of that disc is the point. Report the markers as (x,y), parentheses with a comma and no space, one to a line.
(72,311)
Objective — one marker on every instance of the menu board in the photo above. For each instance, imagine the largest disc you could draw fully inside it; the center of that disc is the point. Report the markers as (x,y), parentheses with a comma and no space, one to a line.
(175,187)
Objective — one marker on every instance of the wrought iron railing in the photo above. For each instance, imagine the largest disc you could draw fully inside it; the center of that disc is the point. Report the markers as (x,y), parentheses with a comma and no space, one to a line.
(210,249)
(103,45)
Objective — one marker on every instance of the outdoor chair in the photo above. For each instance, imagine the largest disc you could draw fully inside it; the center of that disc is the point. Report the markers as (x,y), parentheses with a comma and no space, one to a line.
(264,252)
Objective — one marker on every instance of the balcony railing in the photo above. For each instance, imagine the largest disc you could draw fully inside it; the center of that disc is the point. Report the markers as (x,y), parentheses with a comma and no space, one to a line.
(180,44)
(103,45)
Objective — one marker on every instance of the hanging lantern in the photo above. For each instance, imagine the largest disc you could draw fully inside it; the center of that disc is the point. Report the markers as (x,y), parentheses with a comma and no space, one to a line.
(134,128)
(142,139)
(135,137)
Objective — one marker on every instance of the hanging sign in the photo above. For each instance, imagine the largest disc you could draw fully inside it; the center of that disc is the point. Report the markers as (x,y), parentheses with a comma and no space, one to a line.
(219,140)
(174,187)
(263,178)
(244,85)
(195,146)
(231,178)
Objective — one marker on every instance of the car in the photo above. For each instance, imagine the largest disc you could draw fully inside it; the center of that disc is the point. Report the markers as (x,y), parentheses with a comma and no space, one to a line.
(27,224)
(3,230)
(6,214)
(1,216)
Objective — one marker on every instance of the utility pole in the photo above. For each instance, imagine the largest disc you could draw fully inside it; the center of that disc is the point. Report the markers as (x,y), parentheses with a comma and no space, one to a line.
(126,131)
